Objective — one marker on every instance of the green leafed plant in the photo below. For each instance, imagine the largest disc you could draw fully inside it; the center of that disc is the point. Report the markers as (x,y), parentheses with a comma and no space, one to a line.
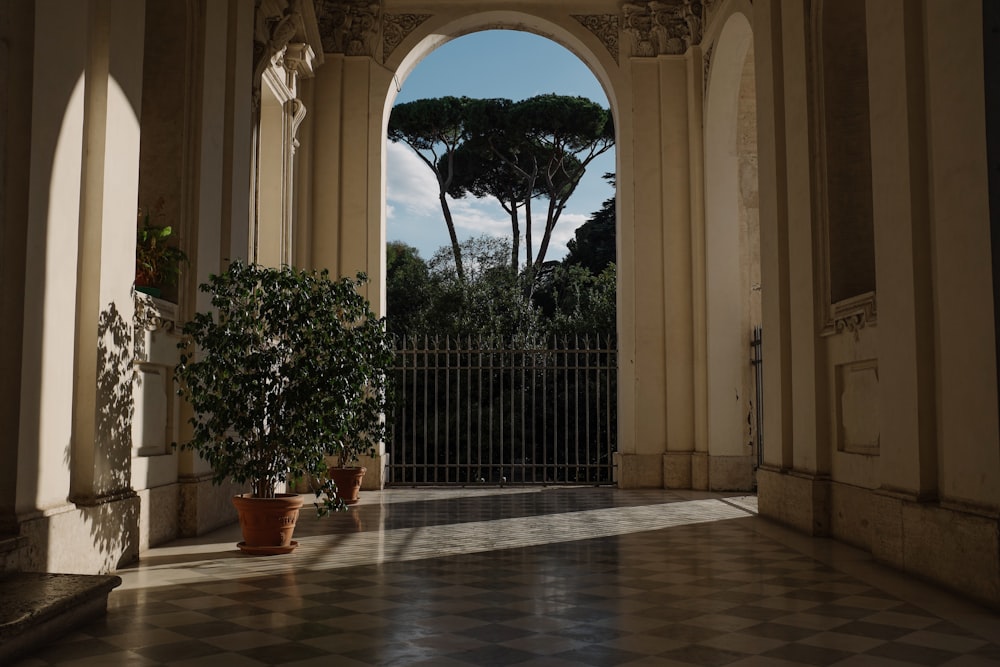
(157,262)
(289,368)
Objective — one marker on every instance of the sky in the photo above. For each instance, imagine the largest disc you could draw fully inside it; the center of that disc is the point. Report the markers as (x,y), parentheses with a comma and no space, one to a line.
(494,63)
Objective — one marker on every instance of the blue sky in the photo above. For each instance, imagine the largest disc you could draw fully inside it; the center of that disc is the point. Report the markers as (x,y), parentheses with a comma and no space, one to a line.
(495,63)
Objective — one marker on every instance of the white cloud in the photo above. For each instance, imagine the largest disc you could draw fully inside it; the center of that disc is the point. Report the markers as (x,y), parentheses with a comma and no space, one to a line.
(477,217)
(568,222)
(412,206)
(410,184)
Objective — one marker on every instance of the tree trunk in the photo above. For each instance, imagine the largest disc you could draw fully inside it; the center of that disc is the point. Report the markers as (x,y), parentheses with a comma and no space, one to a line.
(455,248)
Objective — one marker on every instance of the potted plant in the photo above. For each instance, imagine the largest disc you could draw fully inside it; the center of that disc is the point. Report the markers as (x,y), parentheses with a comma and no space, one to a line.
(157,260)
(289,367)
(346,476)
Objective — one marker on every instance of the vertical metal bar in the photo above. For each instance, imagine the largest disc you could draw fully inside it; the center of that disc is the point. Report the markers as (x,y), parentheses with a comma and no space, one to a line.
(425,371)
(508,454)
(534,421)
(524,432)
(399,426)
(479,430)
(565,405)
(468,410)
(437,402)
(489,469)
(586,404)
(612,426)
(757,360)
(549,428)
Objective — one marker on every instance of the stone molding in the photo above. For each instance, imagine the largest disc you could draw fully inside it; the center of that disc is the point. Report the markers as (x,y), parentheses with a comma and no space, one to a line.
(395,29)
(297,112)
(606,27)
(152,314)
(274,29)
(298,59)
(657,27)
(851,315)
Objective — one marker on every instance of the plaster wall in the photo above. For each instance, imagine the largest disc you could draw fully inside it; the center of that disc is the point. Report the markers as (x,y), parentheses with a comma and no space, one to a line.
(965,360)
(16,55)
(901,457)
(731,251)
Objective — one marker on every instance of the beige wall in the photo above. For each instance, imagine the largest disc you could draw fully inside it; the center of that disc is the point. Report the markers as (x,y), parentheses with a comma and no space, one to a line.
(881,426)
(83,438)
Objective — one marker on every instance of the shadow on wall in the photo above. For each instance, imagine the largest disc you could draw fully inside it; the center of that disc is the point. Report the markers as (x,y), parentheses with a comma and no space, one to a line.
(111,511)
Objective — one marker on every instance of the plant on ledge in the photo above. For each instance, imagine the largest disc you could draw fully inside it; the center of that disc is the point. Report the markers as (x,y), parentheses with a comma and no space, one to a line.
(288,367)
(157,262)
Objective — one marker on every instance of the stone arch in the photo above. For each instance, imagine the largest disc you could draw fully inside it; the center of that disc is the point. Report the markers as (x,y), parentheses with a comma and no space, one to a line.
(732,251)
(434,33)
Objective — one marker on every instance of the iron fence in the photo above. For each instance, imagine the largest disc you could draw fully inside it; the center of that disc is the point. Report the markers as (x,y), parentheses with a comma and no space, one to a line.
(472,411)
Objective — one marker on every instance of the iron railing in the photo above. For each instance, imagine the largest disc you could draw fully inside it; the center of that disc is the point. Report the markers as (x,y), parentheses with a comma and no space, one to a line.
(471,411)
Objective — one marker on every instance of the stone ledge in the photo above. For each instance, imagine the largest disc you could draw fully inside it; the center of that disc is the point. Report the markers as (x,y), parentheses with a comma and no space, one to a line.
(36,606)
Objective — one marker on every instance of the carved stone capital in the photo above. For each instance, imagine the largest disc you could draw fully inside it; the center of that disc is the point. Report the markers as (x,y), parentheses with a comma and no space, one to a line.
(396,27)
(605,27)
(298,59)
(273,30)
(662,27)
(350,27)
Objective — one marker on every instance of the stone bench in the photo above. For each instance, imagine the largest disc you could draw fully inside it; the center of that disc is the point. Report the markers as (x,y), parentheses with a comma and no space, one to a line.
(36,607)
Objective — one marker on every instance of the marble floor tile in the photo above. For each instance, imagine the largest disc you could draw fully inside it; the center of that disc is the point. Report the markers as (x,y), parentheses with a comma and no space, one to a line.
(529,577)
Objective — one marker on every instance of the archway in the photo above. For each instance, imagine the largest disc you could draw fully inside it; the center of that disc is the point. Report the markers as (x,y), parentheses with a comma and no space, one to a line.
(648,58)
(504,307)
(732,250)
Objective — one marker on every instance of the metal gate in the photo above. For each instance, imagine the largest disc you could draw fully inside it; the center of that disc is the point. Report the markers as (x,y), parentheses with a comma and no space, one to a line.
(471,411)
(757,361)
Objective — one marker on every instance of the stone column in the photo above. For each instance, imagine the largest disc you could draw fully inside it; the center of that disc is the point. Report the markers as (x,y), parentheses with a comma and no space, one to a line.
(204,505)
(347,155)
(74,441)
(800,496)
(959,225)
(348,227)
(908,448)
(775,280)
(112,102)
(16,45)
(657,278)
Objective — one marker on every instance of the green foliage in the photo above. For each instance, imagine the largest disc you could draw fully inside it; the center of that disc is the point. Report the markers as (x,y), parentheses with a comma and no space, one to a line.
(594,242)
(157,261)
(289,369)
(408,288)
(491,303)
(427,299)
(574,302)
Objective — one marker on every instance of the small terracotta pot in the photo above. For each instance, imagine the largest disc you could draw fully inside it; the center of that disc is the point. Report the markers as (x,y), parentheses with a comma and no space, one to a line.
(268,523)
(348,481)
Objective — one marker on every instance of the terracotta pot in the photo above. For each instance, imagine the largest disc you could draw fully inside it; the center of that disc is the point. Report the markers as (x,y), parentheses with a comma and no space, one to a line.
(268,523)
(348,481)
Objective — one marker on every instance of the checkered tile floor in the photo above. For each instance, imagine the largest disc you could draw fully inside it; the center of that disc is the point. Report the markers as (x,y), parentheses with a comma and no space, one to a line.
(552,577)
